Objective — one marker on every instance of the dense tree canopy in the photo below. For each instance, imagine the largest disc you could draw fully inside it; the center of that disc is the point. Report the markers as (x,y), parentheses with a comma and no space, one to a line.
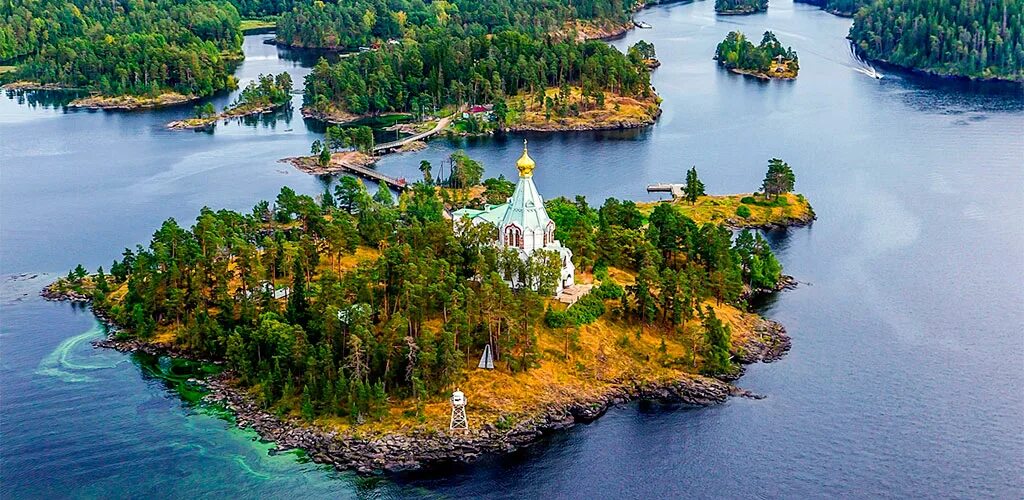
(363,22)
(844,8)
(950,37)
(736,51)
(118,47)
(444,69)
(740,6)
(330,306)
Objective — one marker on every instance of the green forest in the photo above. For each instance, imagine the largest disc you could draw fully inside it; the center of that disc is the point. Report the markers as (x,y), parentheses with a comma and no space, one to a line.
(845,8)
(443,69)
(737,52)
(364,22)
(344,334)
(740,6)
(957,37)
(123,47)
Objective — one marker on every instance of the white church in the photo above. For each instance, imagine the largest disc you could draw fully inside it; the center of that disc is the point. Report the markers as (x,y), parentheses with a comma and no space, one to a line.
(523,223)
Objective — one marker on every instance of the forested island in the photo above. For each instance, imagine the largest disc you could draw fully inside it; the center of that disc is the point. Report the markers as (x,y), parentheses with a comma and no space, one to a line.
(769,59)
(514,72)
(130,55)
(740,7)
(960,38)
(265,94)
(344,321)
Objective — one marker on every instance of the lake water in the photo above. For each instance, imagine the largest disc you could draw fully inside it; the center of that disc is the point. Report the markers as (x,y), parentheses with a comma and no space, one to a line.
(906,371)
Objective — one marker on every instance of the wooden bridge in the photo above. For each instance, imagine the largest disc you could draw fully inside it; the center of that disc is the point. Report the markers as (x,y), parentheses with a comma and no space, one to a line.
(398,184)
(390,146)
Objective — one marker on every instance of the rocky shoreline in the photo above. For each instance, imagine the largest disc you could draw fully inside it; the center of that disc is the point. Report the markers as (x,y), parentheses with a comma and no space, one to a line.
(787,222)
(202,123)
(27,85)
(422,449)
(129,102)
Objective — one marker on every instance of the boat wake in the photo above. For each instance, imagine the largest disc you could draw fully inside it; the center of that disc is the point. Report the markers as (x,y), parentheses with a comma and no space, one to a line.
(862,66)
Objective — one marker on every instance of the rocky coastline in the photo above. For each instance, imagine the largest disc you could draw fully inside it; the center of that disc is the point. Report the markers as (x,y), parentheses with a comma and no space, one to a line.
(417,449)
(130,102)
(27,85)
(783,223)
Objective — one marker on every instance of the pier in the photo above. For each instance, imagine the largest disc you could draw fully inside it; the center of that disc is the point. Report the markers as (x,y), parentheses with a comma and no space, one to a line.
(675,189)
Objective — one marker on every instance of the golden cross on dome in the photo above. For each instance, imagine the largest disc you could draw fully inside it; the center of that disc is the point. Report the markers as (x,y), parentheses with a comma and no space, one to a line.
(525,165)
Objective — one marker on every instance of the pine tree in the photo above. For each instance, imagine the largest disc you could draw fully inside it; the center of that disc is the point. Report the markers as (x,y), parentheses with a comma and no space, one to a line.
(717,343)
(779,179)
(694,187)
(325,157)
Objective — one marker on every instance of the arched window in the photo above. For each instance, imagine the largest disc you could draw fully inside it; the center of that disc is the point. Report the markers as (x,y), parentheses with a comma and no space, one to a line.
(513,236)
(549,233)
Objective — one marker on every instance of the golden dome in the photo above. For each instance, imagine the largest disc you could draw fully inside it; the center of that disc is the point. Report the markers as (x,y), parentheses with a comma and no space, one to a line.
(525,163)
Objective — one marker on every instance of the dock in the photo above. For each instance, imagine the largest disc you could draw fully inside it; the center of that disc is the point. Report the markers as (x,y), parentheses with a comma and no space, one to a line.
(675,189)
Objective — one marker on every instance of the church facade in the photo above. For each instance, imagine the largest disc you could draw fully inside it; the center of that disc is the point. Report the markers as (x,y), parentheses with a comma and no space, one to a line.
(523,223)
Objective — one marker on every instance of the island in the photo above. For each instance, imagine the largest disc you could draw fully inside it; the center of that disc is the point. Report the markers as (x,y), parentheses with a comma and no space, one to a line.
(740,7)
(768,60)
(265,94)
(599,87)
(344,324)
(959,38)
(165,52)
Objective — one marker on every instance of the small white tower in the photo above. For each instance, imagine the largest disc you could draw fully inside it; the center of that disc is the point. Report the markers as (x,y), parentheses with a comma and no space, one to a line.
(459,420)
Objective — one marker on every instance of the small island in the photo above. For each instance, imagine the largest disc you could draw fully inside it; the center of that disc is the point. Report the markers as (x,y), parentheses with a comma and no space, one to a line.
(774,206)
(342,324)
(768,60)
(265,94)
(740,7)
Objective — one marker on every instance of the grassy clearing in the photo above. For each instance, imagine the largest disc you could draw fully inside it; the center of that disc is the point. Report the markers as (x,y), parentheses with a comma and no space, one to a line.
(617,112)
(788,209)
(248,25)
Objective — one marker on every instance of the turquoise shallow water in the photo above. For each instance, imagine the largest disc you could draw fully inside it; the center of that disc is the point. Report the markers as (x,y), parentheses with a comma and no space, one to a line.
(904,378)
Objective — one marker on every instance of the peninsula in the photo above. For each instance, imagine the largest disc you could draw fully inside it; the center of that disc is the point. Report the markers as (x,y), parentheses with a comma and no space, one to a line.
(774,207)
(345,322)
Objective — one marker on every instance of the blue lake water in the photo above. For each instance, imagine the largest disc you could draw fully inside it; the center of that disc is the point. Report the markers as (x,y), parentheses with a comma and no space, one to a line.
(906,370)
